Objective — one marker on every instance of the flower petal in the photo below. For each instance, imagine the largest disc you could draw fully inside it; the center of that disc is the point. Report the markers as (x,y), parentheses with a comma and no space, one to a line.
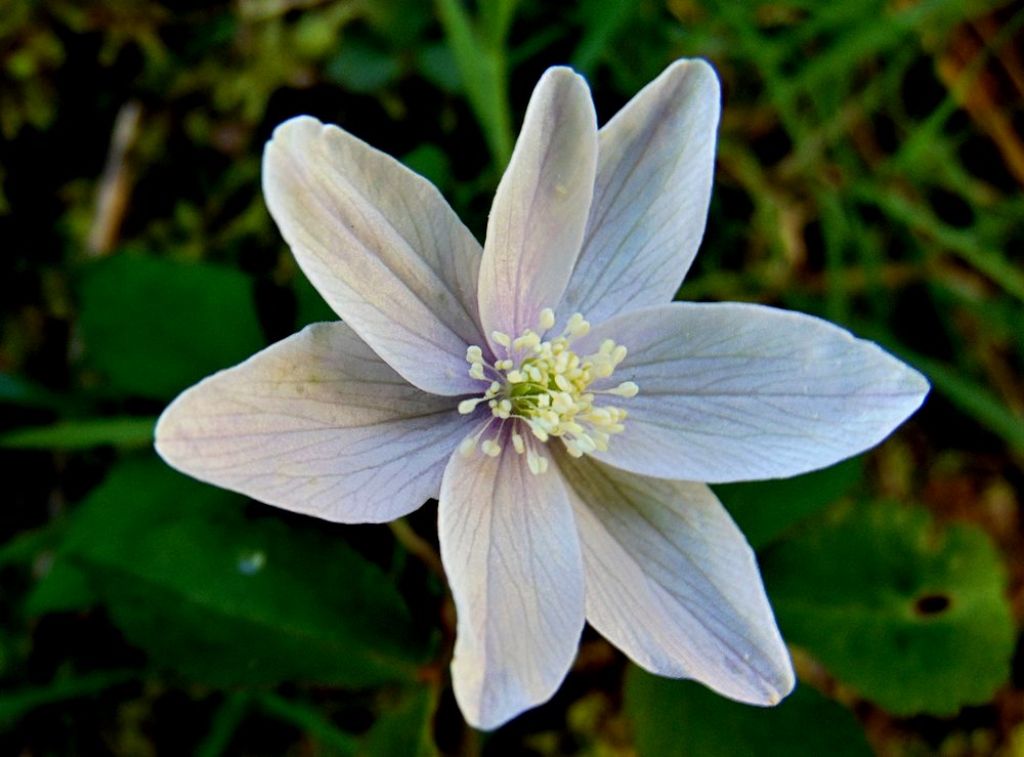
(509,547)
(317,424)
(672,582)
(382,246)
(734,392)
(540,210)
(655,164)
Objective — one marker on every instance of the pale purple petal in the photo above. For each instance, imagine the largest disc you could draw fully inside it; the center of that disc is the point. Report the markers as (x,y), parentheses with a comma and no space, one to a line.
(655,164)
(540,210)
(510,550)
(381,246)
(672,582)
(734,392)
(316,424)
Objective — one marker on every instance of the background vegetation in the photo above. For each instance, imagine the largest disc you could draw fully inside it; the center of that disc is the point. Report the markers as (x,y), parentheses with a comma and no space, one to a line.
(870,170)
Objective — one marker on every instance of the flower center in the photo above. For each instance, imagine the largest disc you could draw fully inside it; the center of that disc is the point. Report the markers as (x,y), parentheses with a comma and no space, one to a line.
(543,387)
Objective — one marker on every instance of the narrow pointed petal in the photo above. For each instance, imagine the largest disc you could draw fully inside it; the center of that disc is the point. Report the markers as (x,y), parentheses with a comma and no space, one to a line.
(655,165)
(316,424)
(734,392)
(540,210)
(510,550)
(381,246)
(672,582)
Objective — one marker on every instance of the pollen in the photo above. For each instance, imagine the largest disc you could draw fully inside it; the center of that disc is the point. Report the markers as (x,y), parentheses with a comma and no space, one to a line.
(541,387)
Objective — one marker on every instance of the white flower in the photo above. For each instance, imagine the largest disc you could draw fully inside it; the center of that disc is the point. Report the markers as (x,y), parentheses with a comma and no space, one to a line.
(563,454)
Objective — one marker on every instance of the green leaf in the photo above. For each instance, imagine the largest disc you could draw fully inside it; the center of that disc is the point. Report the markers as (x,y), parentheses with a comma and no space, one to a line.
(152,327)
(437,65)
(82,434)
(361,67)
(430,162)
(400,22)
(26,546)
(404,728)
(310,721)
(224,724)
(601,21)
(15,704)
(912,617)
(229,599)
(765,510)
(673,717)
(65,588)
(482,68)
(310,307)
(495,19)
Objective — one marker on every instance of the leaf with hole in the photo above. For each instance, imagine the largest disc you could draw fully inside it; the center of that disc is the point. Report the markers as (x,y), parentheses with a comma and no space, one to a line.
(912,616)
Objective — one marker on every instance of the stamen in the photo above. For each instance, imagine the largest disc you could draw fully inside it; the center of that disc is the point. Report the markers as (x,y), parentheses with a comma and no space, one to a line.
(577,326)
(545,387)
(527,341)
(468,406)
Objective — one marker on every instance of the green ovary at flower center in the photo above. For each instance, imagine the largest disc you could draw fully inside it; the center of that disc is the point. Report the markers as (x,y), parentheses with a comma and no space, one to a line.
(543,387)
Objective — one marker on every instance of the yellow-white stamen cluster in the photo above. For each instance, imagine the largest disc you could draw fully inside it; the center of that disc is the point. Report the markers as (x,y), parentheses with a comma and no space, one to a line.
(543,387)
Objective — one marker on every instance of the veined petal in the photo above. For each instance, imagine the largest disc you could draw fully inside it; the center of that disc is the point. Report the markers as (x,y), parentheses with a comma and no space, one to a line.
(381,246)
(672,582)
(655,164)
(510,550)
(316,424)
(540,210)
(734,392)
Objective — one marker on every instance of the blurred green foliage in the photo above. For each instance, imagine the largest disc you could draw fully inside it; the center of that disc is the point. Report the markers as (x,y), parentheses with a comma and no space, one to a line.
(870,169)
(683,718)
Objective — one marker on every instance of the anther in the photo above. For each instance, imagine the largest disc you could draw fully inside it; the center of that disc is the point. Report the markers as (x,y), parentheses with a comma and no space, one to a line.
(547,319)
(468,406)
(625,389)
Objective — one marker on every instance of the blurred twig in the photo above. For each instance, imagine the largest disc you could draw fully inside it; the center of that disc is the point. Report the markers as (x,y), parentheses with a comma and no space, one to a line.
(985,100)
(116,182)
(417,546)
